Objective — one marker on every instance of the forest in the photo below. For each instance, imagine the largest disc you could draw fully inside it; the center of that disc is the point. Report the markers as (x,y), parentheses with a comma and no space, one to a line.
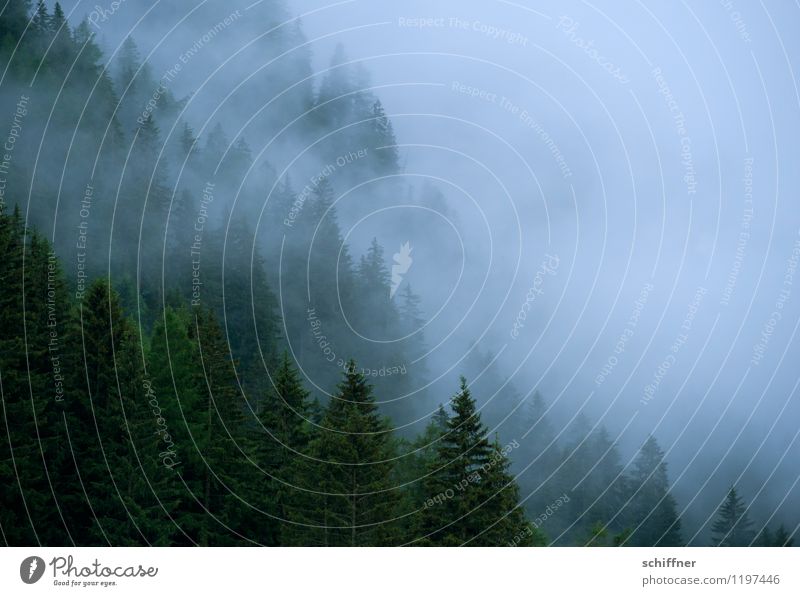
(177,371)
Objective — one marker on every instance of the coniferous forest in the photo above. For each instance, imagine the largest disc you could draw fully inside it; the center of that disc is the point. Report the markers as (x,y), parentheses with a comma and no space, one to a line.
(196,349)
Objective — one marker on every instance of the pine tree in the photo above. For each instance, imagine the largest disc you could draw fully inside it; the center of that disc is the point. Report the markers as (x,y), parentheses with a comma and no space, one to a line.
(411,324)
(215,147)
(782,537)
(356,503)
(185,148)
(538,456)
(765,537)
(144,213)
(604,483)
(732,526)
(386,154)
(181,233)
(471,498)
(40,23)
(372,268)
(131,79)
(462,451)
(13,21)
(334,100)
(376,308)
(577,459)
(62,51)
(105,382)
(330,266)
(32,320)
(505,521)
(227,450)
(176,380)
(282,452)
(245,303)
(416,459)
(97,106)
(654,514)
(212,456)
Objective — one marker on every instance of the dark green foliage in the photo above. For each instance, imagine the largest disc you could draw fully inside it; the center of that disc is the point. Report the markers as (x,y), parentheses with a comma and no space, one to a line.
(471,498)
(143,396)
(353,460)
(32,367)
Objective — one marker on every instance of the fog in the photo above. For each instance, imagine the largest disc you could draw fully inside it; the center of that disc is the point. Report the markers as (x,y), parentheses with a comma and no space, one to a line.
(604,198)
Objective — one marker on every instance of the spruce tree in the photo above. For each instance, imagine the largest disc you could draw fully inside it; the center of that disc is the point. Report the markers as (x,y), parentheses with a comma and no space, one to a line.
(471,498)
(32,390)
(376,309)
(282,451)
(732,526)
(227,450)
(213,458)
(334,100)
(352,474)
(653,509)
(105,379)
(13,21)
(538,456)
(502,515)
(386,155)
(177,398)
(415,461)
(782,537)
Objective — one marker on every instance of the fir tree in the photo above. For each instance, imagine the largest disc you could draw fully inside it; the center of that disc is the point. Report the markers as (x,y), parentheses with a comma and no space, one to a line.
(106,384)
(654,514)
(386,155)
(32,324)
(732,526)
(782,537)
(13,21)
(353,449)
(281,447)
(468,474)
(505,521)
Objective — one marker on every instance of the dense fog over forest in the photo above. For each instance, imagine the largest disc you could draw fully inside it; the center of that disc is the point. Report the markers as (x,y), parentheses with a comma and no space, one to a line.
(367,273)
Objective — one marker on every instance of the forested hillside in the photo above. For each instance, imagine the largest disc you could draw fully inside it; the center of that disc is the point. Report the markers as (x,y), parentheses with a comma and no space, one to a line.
(177,371)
